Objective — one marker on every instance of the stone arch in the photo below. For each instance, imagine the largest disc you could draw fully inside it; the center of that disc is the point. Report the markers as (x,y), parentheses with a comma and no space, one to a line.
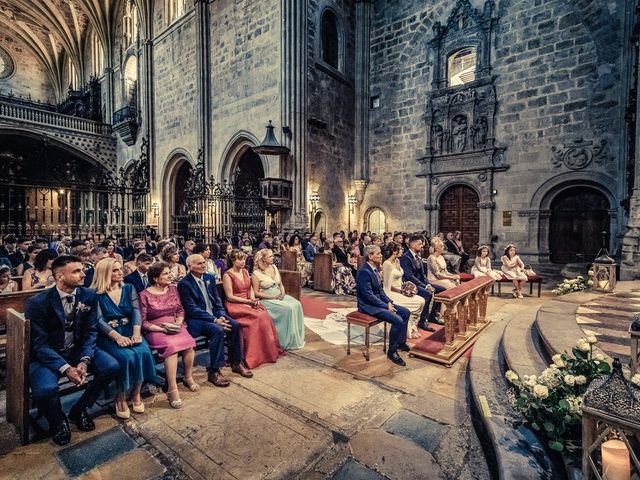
(175,161)
(329,9)
(368,220)
(540,207)
(233,151)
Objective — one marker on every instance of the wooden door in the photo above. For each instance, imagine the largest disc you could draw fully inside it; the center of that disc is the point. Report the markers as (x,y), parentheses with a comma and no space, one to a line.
(459,211)
(579,215)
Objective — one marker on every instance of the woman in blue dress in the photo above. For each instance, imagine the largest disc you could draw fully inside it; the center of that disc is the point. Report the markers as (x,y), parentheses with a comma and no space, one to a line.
(285,310)
(120,334)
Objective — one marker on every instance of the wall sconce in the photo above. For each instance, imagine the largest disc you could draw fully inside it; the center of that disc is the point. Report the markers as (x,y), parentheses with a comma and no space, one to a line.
(61,191)
(155,208)
(352,200)
(495,192)
(314,198)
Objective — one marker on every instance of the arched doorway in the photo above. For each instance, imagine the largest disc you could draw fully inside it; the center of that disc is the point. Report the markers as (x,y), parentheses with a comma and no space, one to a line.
(376,221)
(319,222)
(578,216)
(248,212)
(179,206)
(459,211)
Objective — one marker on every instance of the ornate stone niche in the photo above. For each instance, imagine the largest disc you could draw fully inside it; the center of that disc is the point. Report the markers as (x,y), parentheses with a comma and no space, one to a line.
(461,109)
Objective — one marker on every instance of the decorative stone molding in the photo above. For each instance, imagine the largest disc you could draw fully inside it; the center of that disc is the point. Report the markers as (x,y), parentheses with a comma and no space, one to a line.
(486,205)
(528,213)
(361,187)
(579,153)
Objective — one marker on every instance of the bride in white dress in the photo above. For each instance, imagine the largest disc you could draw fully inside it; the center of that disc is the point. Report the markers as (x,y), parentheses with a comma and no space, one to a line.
(392,284)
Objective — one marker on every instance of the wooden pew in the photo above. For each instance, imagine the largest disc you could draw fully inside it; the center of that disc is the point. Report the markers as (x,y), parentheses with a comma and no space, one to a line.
(18,281)
(18,353)
(15,301)
(292,282)
(289,261)
(464,309)
(323,272)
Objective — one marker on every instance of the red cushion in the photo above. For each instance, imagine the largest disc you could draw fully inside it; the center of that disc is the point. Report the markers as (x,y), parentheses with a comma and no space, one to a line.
(464,287)
(361,317)
(465,277)
(534,278)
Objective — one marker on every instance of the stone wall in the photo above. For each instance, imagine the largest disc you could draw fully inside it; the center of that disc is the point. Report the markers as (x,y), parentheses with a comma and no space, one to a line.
(331,97)
(245,80)
(556,81)
(30,78)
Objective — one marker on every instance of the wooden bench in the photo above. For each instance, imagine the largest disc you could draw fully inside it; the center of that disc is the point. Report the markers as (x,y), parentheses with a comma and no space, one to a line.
(289,261)
(464,310)
(530,280)
(323,272)
(366,321)
(8,301)
(18,357)
(292,283)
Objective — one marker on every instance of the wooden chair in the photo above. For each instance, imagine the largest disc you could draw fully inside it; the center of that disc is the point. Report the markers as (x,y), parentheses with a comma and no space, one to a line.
(323,272)
(18,357)
(292,282)
(289,261)
(366,321)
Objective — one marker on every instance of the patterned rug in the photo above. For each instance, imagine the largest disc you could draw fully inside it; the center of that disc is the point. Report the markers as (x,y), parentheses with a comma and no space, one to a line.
(608,317)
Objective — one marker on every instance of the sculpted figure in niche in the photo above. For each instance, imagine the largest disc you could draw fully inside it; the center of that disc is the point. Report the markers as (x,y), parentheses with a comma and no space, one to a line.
(436,144)
(459,133)
(480,133)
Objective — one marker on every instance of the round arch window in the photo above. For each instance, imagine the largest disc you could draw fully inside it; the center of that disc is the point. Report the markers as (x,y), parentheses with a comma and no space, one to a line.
(7,66)
(461,66)
(376,221)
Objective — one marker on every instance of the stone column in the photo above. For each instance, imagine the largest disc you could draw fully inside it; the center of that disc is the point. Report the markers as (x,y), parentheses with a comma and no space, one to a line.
(361,137)
(294,39)
(109,97)
(203,48)
(147,106)
(630,258)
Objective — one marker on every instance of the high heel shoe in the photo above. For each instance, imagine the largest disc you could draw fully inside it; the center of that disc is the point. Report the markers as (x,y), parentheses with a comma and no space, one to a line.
(191,384)
(177,403)
(124,414)
(138,407)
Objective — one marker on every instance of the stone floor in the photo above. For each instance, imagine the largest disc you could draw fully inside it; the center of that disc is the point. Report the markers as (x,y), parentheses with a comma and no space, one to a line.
(317,413)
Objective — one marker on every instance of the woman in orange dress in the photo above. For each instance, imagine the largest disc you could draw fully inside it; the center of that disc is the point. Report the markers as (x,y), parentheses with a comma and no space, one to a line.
(259,334)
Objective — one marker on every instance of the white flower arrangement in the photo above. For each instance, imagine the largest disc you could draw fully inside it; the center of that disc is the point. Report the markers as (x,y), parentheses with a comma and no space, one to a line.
(572,285)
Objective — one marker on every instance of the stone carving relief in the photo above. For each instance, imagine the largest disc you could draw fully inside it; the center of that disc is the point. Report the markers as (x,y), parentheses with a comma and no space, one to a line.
(579,154)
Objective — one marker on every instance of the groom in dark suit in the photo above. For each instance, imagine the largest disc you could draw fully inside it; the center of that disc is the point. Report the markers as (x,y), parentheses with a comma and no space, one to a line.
(205,315)
(413,268)
(373,301)
(64,327)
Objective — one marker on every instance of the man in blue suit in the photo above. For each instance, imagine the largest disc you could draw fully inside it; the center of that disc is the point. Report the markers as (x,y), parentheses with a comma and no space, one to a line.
(64,327)
(138,278)
(206,316)
(413,267)
(373,301)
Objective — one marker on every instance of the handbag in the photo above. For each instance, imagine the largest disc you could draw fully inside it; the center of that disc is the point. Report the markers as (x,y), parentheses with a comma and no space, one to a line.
(528,271)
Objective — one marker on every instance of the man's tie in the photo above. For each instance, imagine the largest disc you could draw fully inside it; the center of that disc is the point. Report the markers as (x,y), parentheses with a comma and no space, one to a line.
(205,294)
(68,306)
(145,280)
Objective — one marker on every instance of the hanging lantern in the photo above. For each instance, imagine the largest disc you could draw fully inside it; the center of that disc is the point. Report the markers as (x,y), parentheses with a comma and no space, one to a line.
(611,428)
(270,145)
(634,333)
(604,270)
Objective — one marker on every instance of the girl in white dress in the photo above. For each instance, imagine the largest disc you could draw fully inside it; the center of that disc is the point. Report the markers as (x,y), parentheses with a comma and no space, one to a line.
(392,284)
(513,269)
(482,265)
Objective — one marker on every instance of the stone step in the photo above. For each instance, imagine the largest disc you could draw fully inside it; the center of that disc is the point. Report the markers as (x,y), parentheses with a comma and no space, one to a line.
(519,453)
(521,345)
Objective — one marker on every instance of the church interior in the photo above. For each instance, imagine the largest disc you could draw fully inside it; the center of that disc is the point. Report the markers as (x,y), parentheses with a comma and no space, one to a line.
(513,123)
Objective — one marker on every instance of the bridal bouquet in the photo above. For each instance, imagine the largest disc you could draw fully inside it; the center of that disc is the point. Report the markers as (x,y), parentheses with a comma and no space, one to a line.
(409,289)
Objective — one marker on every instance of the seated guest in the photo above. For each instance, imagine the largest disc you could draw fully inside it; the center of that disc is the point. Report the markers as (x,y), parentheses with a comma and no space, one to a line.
(64,327)
(189,245)
(97,254)
(163,323)
(373,301)
(206,316)
(285,310)
(41,275)
(20,254)
(220,265)
(6,284)
(482,265)
(119,324)
(205,250)
(413,269)
(259,334)
(110,245)
(343,281)
(304,267)
(513,269)
(341,254)
(437,273)
(138,248)
(138,278)
(401,293)
(29,261)
(457,238)
(451,254)
(225,250)
(171,257)
(313,247)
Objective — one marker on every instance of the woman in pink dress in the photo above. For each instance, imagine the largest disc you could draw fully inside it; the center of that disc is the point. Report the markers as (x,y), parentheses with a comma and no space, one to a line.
(165,330)
(259,334)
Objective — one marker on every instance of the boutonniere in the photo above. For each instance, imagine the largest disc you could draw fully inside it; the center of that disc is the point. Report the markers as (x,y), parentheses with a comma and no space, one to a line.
(81,307)
(208,282)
